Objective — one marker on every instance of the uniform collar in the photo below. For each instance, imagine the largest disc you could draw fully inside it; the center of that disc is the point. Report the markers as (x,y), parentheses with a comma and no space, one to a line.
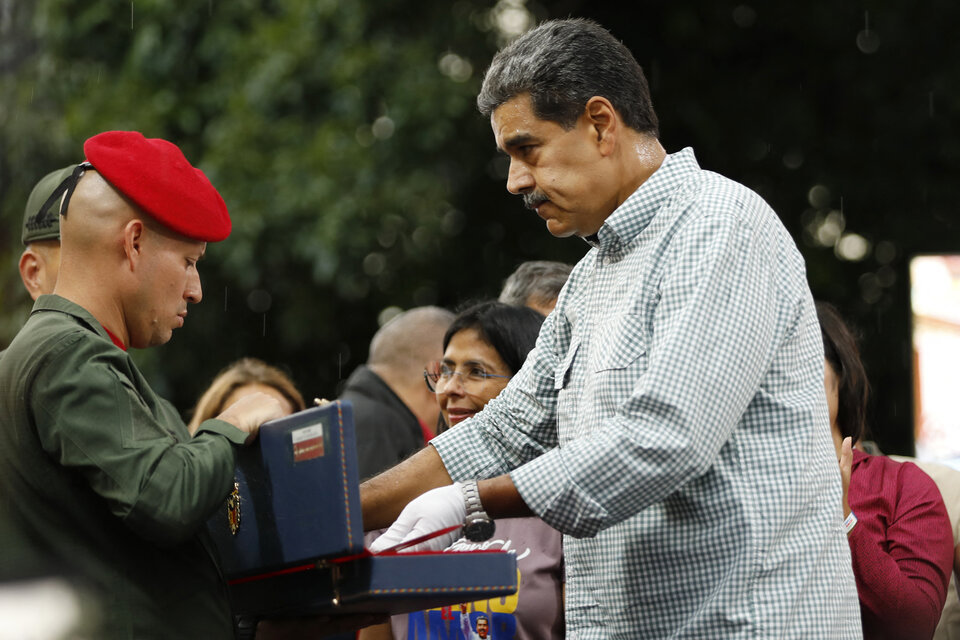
(636,212)
(53,302)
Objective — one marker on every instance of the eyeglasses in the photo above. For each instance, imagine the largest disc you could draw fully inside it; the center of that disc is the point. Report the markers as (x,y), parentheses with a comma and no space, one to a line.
(438,375)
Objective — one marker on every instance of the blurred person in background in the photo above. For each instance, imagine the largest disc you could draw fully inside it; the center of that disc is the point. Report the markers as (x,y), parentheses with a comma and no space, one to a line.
(900,537)
(536,284)
(483,348)
(40,260)
(393,413)
(238,380)
(243,377)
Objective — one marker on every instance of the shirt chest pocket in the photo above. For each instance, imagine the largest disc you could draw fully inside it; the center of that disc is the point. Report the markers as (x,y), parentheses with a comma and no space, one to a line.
(620,358)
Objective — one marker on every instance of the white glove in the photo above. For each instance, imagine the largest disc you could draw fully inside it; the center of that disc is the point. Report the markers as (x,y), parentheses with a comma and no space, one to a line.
(434,510)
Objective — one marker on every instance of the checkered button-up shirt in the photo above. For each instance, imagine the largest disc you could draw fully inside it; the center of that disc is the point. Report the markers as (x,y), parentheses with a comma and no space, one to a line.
(671,421)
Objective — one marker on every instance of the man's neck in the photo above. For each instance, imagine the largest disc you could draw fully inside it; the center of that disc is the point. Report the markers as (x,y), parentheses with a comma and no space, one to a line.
(642,156)
(100,304)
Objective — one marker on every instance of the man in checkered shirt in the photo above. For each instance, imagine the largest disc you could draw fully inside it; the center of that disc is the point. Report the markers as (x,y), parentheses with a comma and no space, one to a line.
(671,421)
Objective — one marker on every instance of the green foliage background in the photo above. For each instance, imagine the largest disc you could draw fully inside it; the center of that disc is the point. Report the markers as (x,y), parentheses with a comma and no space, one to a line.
(345,142)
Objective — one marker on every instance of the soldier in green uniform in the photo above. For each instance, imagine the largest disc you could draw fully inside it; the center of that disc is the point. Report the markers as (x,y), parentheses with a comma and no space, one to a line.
(98,473)
(40,260)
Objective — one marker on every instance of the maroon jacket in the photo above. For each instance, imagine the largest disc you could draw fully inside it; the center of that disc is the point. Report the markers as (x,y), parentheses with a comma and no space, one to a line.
(902,548)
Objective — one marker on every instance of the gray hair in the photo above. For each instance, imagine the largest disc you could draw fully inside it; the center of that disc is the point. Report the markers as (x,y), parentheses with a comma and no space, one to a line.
(537,281)
(561,64)
(409,341)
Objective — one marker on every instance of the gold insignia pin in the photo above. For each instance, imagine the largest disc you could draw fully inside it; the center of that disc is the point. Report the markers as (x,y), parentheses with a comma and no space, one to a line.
(233,508)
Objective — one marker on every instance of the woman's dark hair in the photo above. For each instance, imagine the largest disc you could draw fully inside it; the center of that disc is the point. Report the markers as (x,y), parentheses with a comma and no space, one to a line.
(509,329)
(853,388)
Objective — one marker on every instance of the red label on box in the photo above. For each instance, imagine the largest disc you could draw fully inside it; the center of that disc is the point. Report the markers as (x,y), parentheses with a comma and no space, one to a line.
(307,443)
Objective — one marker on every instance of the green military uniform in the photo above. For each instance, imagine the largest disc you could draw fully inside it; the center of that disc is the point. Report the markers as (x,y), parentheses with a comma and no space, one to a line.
(102,477)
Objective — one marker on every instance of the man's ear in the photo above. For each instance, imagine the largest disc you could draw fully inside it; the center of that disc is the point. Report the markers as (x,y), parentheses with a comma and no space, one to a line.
(604,122)
(31,270)
(133,233)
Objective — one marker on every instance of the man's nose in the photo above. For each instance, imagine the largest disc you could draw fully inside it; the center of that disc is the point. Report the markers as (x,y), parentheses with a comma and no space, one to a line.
(194,291)
(519,179)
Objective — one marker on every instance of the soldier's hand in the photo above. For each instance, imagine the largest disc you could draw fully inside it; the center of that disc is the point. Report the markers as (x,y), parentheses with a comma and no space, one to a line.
(250,411)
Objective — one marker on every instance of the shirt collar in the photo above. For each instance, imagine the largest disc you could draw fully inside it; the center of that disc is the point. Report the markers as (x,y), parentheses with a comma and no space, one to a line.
(53,302)
(636,212)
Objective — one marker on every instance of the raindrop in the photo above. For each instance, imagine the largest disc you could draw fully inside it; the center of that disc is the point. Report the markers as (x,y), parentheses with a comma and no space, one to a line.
(387,237)
(829,229)
(885,252)
(453,222)
(421,237)
(819,196)
(382,128)
(757,150)
(259,301)
(867,41)
(374,264)
(852,247)
(454,67)
(870,289)
(388,314)
(744,16)
(224,298)
(793,159)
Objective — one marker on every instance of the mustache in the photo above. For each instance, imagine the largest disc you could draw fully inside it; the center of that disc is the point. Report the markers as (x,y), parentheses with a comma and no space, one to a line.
(534,199)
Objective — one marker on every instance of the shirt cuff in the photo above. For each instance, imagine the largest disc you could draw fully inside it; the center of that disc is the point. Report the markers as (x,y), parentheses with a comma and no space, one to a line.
(222,428)
(552,494)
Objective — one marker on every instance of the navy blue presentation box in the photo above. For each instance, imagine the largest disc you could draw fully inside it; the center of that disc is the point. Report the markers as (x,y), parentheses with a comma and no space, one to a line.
(290,537)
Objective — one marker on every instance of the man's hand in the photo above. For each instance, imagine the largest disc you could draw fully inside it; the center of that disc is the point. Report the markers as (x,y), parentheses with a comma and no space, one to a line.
(250,411)
(434,510)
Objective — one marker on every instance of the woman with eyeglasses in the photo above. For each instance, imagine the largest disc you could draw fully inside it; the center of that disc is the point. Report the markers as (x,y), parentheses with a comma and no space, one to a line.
(483,348)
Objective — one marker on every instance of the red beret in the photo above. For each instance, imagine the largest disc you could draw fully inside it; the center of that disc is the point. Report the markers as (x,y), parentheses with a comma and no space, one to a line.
(156,176)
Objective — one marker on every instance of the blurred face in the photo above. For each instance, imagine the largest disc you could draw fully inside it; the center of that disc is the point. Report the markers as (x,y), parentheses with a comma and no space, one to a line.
(169,280)
(254,387)
(832,386)
(482,628)
(469,355)
(559,173)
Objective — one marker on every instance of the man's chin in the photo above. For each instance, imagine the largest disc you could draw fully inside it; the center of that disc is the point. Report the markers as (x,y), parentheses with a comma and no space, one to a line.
(559,230)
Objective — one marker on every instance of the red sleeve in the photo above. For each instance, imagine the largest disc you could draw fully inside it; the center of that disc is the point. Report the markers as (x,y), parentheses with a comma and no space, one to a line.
(902,575)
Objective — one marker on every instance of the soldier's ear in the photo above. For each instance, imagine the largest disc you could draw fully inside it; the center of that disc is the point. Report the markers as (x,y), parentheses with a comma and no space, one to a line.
(133,233)
(31,271)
